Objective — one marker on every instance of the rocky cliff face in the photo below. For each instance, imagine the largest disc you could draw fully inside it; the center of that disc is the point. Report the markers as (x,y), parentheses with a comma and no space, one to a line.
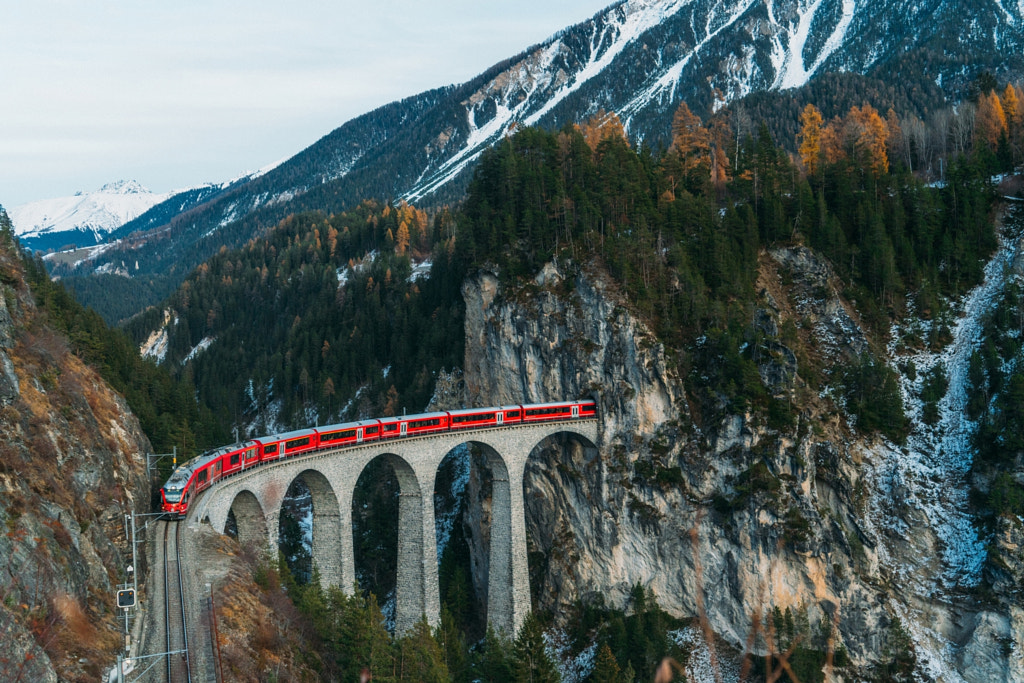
(734,516)
(72,464)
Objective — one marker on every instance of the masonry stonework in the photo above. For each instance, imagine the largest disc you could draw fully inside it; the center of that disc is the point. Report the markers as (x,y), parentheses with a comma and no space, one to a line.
(255,497)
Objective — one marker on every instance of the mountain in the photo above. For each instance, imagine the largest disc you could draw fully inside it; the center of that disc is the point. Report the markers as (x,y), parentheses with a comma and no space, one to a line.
(72,464)
(785,368)
(84,219)
(639,58)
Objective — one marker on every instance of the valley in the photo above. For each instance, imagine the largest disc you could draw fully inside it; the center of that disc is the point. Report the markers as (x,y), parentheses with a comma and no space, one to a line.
(776,247)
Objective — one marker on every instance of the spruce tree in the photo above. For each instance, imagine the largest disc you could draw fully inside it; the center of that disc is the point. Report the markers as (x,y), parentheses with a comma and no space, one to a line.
(531,663)
(606,668)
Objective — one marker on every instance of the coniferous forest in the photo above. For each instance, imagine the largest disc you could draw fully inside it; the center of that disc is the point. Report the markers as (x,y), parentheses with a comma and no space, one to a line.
(331,317)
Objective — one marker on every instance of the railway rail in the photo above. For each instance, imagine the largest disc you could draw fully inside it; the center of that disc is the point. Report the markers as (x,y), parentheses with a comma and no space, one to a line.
(175,623)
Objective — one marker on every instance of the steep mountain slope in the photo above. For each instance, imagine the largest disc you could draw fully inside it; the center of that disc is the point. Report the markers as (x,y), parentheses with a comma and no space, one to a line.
(84,219)
(639,58)
(72,464)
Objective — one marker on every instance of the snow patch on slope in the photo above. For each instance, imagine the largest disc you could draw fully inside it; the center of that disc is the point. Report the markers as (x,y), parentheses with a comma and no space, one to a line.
(699,665)
(928,477)
(199,348)
(668,81)
(621,26)
(156,345)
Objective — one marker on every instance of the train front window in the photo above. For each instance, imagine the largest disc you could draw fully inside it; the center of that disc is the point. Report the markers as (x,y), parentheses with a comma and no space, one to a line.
(172,495)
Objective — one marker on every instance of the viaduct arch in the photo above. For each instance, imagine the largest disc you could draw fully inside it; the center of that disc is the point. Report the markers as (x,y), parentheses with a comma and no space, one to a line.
(255,497)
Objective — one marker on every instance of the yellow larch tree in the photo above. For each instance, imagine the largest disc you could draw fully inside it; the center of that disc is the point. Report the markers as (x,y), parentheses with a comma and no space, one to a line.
(990,121)
(402,239)
(690,139)
(869,138)
(600,126)
(809,139)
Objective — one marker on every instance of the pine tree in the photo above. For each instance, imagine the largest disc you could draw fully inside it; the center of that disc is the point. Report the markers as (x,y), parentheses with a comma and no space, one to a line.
(606,668)
(420,658)
(531,663)
(493,664)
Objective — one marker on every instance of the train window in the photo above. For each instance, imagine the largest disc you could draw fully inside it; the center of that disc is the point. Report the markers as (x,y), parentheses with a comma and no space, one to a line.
(334,436)
(417,424)
(371,430)
(250,454)
(234,459)
(391,428)
(511,414)
(475,417)
(201,477)
(545,411)
(270,450)
(296,443)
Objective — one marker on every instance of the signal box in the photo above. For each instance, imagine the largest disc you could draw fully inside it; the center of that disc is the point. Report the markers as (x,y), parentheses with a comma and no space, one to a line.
(126,598)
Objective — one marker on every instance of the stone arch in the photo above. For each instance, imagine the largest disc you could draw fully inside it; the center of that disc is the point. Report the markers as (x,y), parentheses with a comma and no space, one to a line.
(500,552)
(564,433)
(250,520)
(327,528)
(411,592)
(561,476)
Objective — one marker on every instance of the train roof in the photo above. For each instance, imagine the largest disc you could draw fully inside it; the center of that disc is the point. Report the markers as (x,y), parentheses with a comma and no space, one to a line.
(292,435)
(419,416)
(478,411)
(559,404)
(346,425)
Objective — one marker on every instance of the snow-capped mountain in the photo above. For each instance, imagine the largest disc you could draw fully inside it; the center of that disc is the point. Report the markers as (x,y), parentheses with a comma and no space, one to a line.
(84,219)
(639,58)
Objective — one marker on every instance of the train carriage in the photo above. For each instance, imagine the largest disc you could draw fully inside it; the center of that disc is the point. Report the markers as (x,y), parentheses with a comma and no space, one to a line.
(545,412)
(237,457)
(473,418)
(349,433)
(410,425)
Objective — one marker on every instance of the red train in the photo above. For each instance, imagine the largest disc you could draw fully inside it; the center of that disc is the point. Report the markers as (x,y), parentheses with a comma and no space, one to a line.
(199,473)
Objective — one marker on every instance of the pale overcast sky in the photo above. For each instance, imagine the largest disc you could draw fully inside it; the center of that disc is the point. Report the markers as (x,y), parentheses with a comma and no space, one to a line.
(174,94)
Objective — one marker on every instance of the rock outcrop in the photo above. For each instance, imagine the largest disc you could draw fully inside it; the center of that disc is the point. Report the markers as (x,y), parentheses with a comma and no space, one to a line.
(732,518)
(72,464)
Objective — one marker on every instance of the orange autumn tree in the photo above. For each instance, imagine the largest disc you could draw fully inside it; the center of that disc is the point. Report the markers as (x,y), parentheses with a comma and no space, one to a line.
(720,134)
(691,141)
(600,126)
(1013,106)
(809,139)
(867,131)
(990,121)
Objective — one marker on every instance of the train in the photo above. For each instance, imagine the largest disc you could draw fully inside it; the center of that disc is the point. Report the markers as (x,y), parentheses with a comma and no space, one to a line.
(201,472)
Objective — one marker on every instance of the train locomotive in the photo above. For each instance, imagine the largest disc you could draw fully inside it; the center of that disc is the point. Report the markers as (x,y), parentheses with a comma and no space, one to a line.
(200,472)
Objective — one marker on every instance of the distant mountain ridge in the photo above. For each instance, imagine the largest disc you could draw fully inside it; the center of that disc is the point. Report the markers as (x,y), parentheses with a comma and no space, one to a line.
(84,219)
(639,58)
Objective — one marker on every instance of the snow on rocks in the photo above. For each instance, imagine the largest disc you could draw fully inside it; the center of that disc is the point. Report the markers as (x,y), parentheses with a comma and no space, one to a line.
(699,667)
(920,490)
(203,344)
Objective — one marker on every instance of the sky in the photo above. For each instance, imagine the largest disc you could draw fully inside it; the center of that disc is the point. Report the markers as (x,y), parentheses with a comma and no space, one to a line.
(176,94)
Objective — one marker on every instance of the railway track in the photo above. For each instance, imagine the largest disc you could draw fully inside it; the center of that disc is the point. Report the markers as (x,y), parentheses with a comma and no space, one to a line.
(175,628)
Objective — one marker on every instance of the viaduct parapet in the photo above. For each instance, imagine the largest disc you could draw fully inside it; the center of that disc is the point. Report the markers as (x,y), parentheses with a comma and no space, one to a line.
(255,496)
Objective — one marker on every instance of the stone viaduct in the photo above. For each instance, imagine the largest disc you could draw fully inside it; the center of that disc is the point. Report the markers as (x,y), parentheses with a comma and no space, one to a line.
(255,497)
